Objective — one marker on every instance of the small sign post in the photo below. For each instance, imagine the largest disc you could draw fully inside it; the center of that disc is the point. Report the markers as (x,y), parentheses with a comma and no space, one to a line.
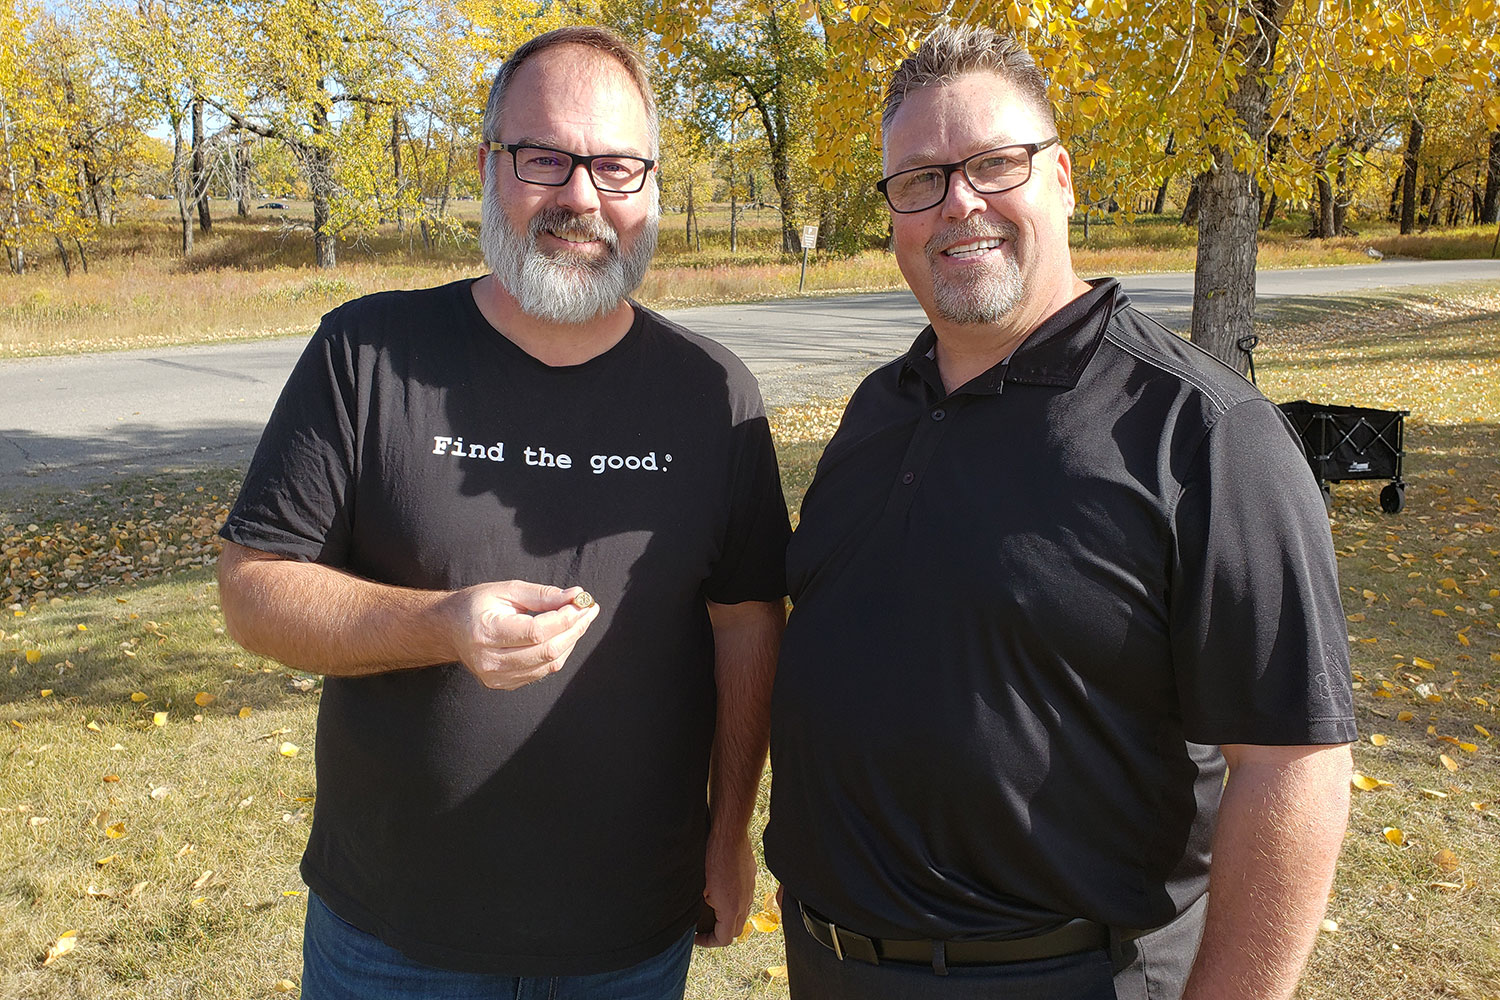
(809,242)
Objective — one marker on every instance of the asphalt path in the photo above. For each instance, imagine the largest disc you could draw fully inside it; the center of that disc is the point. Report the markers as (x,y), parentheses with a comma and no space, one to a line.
(72,420)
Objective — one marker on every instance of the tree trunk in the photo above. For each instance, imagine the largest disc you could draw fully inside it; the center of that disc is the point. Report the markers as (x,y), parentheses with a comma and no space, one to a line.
(200,170)
(1229,209)
(242,177)
(15,252)
(320,184)
(687,232)
(182,185)
(396,167)
(319,160)
(1190,207)
(1323,226)
(1490,212)
(1271,204)
(1409,175)
(1341,196)
(62,255)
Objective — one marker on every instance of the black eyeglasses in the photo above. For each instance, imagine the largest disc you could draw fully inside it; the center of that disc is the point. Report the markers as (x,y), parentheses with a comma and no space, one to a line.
(554,167)
(989,172)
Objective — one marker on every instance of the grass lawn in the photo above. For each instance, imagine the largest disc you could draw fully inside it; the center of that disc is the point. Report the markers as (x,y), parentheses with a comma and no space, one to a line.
(156,781)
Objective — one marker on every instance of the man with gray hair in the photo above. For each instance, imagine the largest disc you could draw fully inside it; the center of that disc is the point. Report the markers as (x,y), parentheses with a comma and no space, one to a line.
(532,534)
(1056,570)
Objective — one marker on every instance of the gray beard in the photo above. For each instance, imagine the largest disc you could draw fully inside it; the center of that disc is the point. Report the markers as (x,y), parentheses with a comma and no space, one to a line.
(564,287)
(988,298)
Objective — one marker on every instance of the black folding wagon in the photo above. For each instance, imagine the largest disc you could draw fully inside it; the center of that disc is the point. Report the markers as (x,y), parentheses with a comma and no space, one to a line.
(1352,442)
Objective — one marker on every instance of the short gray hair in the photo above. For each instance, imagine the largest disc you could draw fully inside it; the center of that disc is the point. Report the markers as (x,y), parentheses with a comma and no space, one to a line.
(950,52)
(601,40)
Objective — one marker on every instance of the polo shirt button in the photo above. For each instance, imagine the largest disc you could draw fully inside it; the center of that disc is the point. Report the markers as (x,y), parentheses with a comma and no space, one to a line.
(939,414)
(908,478)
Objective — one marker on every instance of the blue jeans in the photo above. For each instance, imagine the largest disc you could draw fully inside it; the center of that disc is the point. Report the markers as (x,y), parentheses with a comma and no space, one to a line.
(342,962)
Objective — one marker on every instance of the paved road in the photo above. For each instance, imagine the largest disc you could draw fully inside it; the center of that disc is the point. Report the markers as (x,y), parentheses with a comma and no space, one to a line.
(72,420)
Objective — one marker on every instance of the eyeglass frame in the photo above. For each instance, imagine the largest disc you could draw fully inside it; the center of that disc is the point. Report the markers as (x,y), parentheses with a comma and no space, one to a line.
(575,160)
(948,169)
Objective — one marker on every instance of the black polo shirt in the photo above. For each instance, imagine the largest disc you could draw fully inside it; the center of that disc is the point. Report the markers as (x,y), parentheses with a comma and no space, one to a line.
(1026,613)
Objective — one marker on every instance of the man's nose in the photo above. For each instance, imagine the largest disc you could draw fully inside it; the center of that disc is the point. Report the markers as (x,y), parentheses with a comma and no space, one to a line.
(962,200)
(578,194)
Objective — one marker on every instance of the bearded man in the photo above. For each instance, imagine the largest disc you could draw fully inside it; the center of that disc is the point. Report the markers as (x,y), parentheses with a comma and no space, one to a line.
(532,534)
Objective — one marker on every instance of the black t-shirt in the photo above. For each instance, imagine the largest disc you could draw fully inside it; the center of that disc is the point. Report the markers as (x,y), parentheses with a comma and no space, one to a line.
(1024,616)
(558,829)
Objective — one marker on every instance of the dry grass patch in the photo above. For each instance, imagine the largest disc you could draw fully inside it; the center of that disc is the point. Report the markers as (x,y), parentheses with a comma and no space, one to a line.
(255,278)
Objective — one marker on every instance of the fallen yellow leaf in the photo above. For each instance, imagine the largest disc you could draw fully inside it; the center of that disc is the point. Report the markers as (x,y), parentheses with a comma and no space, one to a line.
(1365,783)
(1329,926)
(1379,739)
(765,922)
(1417,661)
(1468,747)
(115,831)
(245,712)
(284,986)
(66,942)
(202,699)
(159,719)
(1446,860)
(776,972)
(1482,731)
(111,778)
(138,696)
(33,655)
(1393,835)
(104,861)
(1448,762)
(1433,793)
(1404,716)
(289,749)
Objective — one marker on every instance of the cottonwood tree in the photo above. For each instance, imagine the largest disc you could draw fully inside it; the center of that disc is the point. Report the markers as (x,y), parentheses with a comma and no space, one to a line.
(1220,79)
(42,199)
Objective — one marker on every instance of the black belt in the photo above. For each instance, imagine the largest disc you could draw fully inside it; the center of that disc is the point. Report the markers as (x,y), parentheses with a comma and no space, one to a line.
(1072,937)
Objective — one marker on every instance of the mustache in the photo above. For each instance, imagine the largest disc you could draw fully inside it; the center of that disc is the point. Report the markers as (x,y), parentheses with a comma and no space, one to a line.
(570,226)
(970,229)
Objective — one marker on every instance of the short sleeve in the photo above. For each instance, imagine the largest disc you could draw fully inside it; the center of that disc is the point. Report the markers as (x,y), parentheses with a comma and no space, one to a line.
(295,501)
(1259,643)
(752,559)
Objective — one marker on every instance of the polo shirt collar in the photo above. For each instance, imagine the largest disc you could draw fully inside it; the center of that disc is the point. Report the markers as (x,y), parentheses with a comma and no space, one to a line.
(1054,354)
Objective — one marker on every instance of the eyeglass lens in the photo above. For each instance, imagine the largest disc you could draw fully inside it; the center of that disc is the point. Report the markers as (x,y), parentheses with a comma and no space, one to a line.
(549,166)
(990,172)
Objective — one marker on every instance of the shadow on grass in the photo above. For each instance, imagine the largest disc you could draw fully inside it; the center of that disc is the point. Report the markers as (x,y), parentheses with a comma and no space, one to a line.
(163,640)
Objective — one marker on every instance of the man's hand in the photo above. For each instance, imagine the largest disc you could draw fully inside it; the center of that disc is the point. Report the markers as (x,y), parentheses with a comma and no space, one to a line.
(512,633)
(729,888)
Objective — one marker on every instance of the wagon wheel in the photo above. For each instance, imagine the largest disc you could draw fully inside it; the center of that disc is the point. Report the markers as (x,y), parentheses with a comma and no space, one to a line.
(1393,498)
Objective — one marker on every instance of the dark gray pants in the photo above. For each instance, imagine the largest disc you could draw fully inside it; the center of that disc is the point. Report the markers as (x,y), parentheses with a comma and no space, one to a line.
(1151,967)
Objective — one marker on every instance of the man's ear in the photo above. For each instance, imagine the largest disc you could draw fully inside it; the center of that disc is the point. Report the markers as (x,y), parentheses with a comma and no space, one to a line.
(1065,179)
